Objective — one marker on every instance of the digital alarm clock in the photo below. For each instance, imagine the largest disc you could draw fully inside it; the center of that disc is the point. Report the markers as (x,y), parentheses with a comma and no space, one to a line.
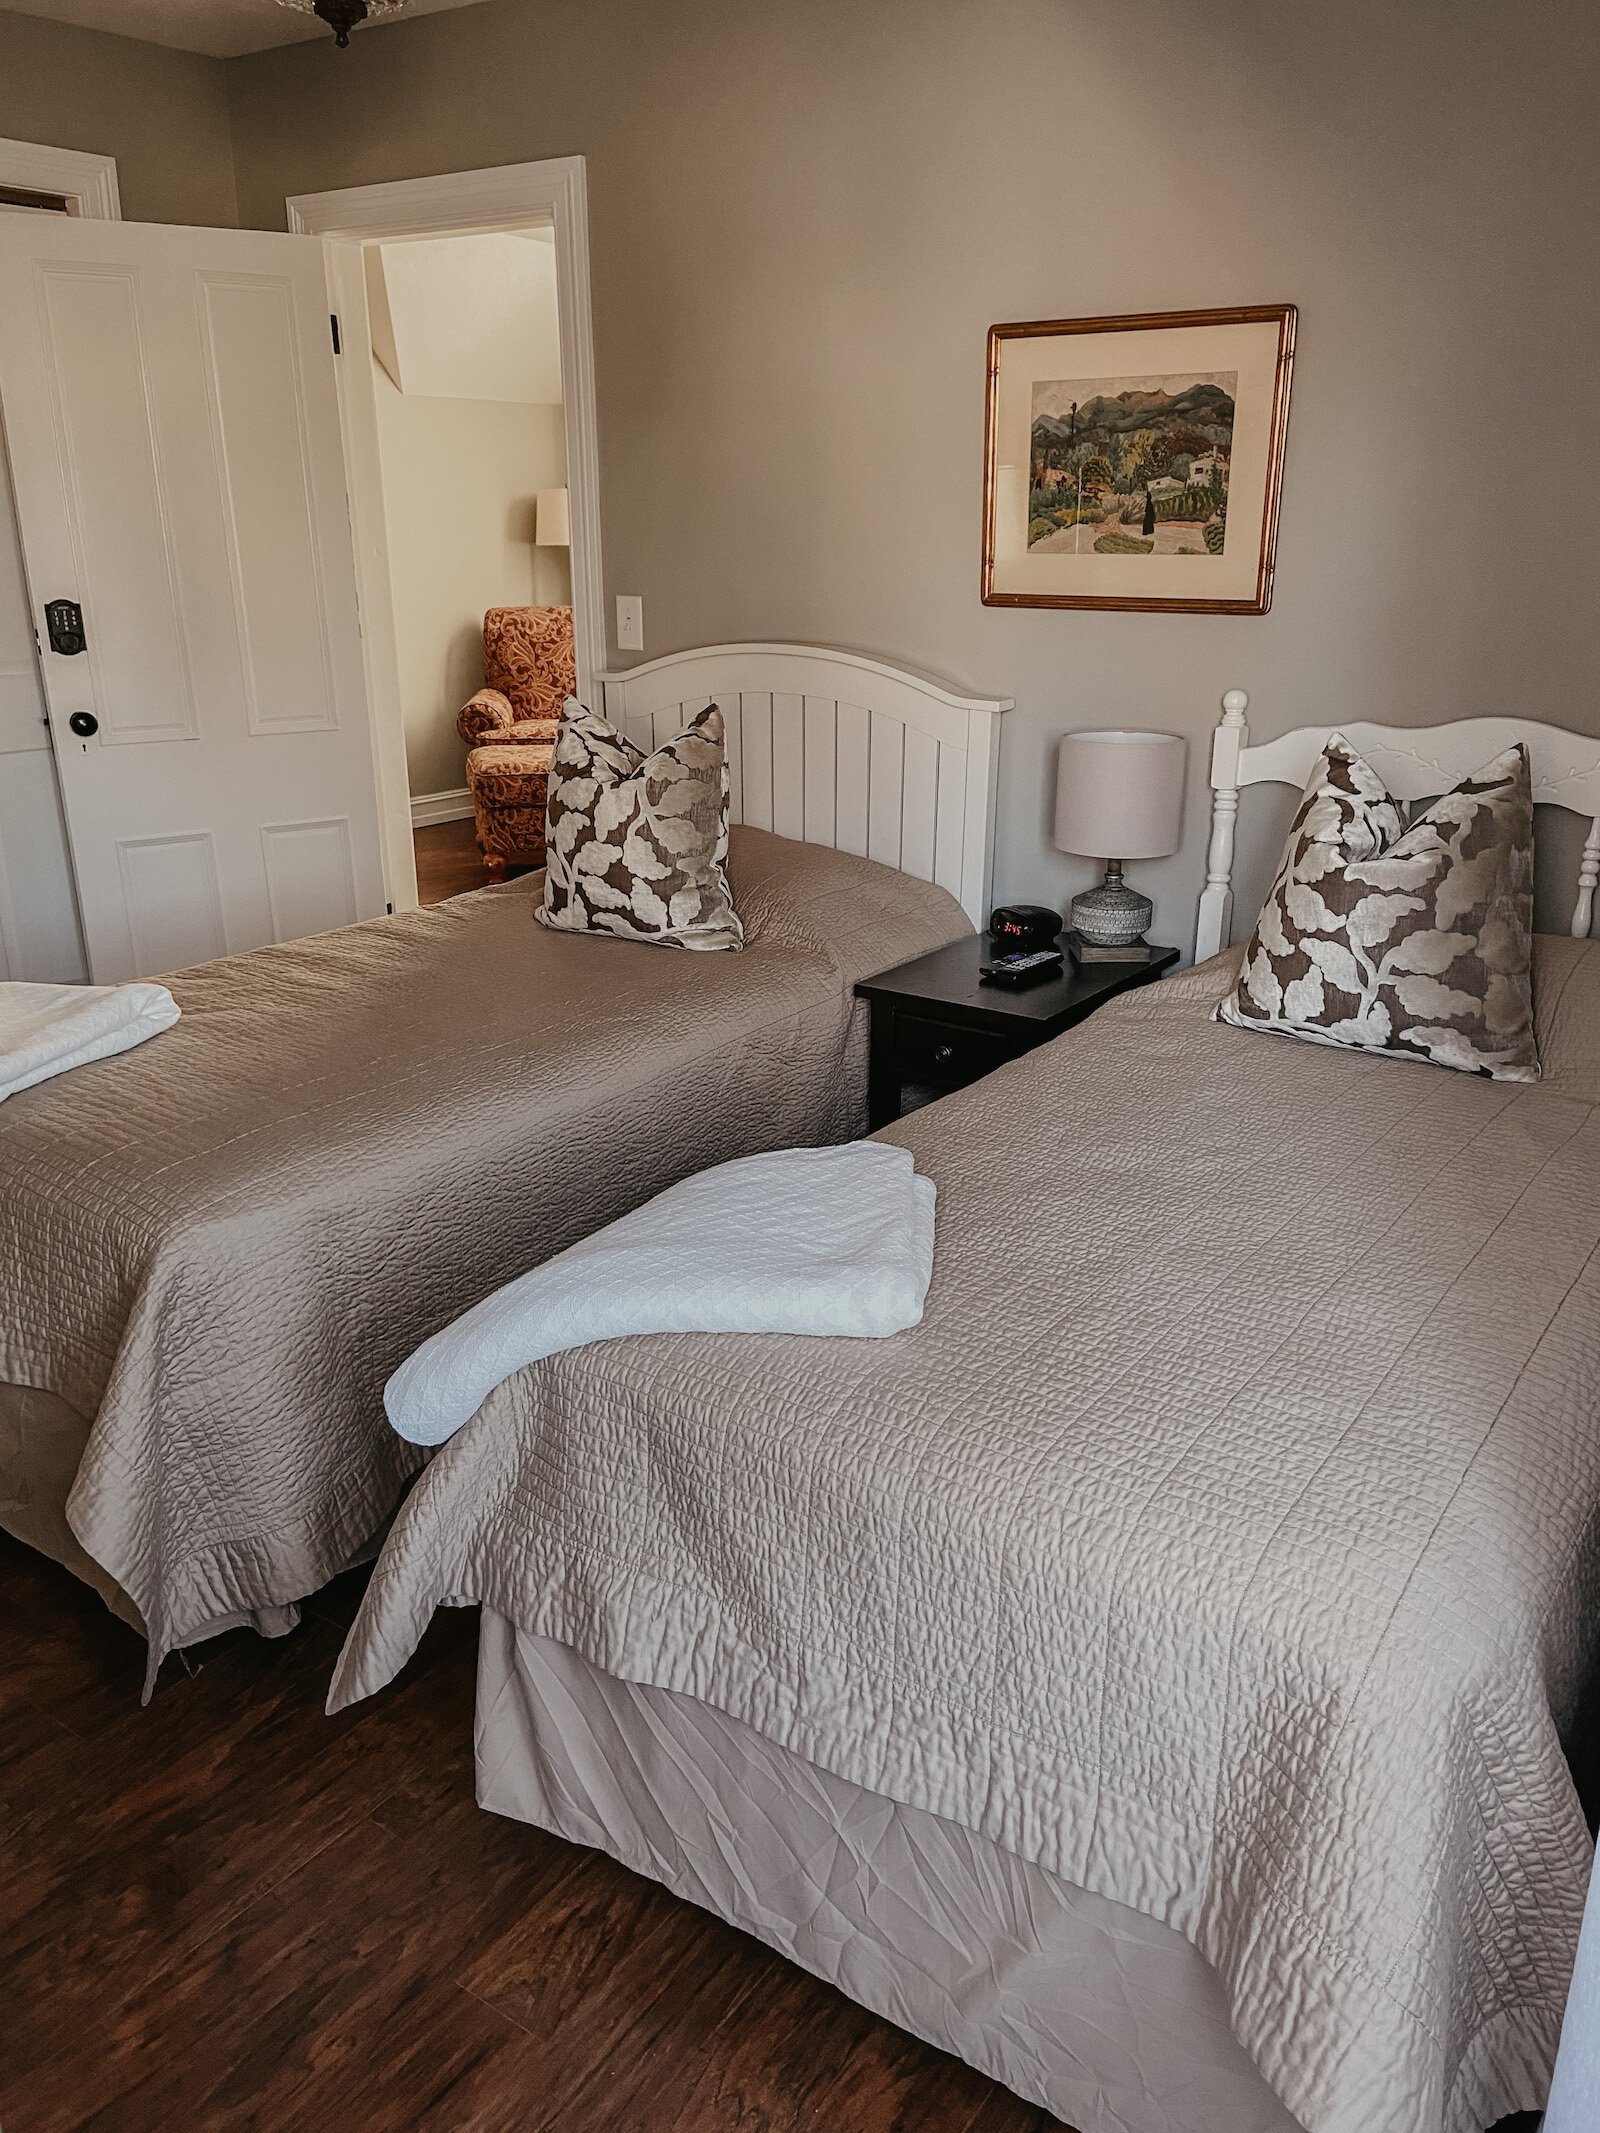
(1024,927)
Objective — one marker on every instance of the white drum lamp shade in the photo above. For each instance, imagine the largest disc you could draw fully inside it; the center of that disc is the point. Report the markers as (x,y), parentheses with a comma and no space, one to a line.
(1118,796)
(552,526)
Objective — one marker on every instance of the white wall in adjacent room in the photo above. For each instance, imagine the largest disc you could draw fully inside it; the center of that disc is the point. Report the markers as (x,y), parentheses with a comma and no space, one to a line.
(458,320)
(459,480)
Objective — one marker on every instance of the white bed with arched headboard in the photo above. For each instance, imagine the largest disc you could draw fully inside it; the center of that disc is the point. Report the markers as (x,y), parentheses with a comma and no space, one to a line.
(830,748)
(1416,763)
(489,1089)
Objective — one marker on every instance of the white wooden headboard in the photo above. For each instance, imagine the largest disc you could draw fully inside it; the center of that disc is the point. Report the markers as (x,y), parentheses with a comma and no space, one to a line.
(834,749)
(1416,763)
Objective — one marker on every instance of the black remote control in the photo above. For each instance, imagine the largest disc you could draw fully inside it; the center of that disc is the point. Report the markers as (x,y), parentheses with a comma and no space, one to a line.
(1020,969)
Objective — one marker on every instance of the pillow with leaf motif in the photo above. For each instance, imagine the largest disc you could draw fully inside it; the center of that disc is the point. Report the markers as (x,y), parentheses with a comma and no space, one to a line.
(636,844)
(1390,938)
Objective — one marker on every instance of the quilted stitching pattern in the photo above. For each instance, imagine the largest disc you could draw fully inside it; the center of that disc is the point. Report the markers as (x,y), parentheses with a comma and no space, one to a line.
(222,1245)
(1221,1568)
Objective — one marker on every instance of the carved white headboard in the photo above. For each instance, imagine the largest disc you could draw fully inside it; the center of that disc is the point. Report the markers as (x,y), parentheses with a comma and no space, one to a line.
(1416,763)
(834,749)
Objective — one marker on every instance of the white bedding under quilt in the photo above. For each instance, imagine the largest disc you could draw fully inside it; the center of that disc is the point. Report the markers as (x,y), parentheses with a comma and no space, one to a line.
(1225,1539)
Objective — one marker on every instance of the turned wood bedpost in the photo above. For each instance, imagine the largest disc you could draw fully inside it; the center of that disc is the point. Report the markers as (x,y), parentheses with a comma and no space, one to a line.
(1588,878)
(1216,900)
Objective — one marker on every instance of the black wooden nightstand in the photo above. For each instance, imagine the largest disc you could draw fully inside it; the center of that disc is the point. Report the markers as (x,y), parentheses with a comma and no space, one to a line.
(935,1027)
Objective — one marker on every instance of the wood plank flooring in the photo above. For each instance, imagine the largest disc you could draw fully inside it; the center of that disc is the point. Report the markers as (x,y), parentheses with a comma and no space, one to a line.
(448,860)
(228,1913)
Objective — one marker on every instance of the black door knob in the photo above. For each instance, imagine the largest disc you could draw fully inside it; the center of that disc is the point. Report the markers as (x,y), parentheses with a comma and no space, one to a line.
(943,1054)
(83,724)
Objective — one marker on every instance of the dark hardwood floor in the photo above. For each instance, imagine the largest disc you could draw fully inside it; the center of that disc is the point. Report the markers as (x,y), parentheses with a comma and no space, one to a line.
(228,1911)
(448,860)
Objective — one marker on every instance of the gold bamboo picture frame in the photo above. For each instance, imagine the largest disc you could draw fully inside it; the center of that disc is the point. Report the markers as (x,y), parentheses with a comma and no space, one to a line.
(1137,461)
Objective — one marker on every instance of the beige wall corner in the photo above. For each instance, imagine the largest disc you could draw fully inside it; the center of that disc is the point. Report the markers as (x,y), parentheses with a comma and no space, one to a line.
(163,114)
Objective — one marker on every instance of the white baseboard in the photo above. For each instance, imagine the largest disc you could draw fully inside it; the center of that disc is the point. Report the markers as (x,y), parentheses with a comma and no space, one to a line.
(430,807)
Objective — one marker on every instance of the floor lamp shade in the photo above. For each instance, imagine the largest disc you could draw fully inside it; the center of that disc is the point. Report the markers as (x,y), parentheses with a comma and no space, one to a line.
(552,526)
(1118,796)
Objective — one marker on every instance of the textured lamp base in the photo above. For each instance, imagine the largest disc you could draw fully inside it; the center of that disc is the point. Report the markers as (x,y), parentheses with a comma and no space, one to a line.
(1112,916)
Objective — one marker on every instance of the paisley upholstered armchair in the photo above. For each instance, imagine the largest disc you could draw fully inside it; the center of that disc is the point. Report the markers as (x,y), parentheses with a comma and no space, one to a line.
(510,729)
(529,671)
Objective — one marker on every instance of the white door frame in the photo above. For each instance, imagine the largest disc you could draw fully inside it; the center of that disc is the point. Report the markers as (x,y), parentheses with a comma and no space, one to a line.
(87,183)
(509,197)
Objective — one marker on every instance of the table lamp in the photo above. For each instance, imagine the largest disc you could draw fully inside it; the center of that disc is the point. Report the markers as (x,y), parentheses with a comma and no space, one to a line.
(1118,796)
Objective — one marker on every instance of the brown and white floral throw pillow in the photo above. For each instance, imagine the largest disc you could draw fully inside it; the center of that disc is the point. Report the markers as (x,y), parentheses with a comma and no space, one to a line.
(636,844)
(1393,939)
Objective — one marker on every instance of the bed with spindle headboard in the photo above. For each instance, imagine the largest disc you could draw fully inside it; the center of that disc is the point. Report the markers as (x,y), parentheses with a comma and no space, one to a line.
(833,749)
(1415,763)
(1205,1637)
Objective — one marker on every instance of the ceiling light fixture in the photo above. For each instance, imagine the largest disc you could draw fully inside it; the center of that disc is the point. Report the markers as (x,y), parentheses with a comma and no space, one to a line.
(342,16)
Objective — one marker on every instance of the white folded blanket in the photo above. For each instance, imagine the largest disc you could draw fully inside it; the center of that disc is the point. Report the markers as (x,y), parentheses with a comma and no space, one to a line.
(808,1240)
(48,1029)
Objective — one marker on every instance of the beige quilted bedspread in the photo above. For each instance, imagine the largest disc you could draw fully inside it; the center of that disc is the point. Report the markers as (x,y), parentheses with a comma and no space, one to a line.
(1225,1538)
(220,1245)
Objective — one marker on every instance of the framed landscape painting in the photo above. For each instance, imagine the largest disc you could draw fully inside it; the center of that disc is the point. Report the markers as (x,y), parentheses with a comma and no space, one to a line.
(1136,462)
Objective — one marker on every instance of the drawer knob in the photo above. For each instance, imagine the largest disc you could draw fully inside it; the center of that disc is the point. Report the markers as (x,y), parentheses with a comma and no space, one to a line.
(943,1054)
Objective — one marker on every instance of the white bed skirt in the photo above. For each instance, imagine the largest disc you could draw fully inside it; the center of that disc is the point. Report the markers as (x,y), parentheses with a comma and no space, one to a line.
(1110,2020)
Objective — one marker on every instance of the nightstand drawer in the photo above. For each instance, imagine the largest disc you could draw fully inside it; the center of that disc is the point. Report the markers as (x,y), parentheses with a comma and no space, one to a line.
(944,1052)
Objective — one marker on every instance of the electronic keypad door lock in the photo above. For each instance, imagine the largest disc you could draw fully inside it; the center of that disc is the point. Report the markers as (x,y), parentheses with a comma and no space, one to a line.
(63,623)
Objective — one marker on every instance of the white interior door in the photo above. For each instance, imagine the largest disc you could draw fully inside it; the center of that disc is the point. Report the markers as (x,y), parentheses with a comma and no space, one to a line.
(171,411)
(38,917)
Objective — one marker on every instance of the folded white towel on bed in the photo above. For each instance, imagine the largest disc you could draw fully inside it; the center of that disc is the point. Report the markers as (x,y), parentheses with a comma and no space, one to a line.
(807,1240)
(47,1029)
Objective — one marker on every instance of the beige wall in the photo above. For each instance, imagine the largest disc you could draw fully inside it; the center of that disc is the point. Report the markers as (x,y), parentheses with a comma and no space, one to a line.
(162,114)
(459,478)
(805,217)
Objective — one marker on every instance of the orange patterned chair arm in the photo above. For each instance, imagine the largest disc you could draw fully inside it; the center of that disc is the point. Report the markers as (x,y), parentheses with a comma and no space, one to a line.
(484,717)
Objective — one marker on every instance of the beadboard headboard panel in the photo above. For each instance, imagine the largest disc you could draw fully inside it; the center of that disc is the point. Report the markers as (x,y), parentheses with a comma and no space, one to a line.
(831,748)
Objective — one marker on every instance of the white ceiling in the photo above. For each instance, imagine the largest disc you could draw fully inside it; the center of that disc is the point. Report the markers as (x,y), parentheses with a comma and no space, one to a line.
(221,28)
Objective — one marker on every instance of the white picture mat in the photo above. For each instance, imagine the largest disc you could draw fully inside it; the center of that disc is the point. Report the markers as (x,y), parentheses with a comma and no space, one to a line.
(1250,350)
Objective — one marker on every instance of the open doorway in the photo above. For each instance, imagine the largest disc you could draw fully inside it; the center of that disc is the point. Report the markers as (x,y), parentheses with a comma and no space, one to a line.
(466,375)
(528,226)
(196,582)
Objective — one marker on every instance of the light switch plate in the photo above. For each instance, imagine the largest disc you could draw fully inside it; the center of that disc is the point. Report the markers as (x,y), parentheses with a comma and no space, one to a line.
(630,623)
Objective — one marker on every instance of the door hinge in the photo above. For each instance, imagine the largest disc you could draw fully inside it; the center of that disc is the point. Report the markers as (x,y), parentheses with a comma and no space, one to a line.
(333,322)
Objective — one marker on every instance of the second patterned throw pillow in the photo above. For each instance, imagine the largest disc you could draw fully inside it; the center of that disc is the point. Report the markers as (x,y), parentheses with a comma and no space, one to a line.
(1385,938)
(636,844)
